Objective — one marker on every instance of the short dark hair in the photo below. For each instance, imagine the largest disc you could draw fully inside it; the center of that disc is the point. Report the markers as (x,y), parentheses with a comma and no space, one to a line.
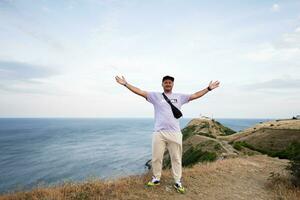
(168,78)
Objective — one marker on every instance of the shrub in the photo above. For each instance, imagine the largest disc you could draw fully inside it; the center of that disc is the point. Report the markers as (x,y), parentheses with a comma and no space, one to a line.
(194,155)
(207,135)
(187,132)
(217,147)
(237,146)
(226,130)
(293,152)
(294,167)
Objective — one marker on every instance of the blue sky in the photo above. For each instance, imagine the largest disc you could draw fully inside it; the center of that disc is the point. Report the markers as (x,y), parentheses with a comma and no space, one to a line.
(59,58)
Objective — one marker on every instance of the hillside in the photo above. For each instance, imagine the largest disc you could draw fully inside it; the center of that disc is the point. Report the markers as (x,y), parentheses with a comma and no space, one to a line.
(282,127)
(272,137)
(205,139)
(233,178)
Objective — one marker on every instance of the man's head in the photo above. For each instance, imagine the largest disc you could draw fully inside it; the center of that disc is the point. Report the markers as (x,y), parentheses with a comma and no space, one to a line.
(167,83)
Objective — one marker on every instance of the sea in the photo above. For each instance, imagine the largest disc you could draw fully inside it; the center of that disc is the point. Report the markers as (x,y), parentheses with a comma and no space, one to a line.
(49,151)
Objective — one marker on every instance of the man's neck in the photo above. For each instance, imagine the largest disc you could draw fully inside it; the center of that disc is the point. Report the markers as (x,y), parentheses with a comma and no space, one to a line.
(168,92)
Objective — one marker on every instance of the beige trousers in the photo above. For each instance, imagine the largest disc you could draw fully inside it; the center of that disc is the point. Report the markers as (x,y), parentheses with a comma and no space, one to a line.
(173,142)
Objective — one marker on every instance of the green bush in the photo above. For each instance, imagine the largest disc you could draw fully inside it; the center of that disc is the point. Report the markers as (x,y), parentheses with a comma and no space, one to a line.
(294,167)
(191,130)
(217,147)
(207,135)
(293,153)
(237,146)
(226,130)
(187,132)
(208,156)
(194,155)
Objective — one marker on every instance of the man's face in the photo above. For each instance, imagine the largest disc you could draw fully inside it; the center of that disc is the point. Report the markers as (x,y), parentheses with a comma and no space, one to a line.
(167,85)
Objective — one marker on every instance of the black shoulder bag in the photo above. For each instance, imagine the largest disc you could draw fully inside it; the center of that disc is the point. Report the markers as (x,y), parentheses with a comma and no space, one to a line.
(176,112)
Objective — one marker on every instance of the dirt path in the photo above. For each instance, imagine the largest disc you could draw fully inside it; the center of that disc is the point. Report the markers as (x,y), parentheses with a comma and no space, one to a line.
(230,150)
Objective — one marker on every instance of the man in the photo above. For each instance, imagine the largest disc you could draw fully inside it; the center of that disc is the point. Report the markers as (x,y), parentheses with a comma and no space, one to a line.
(167,132)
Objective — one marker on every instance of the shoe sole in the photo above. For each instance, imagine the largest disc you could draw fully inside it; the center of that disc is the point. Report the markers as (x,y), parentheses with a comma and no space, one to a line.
(177,190)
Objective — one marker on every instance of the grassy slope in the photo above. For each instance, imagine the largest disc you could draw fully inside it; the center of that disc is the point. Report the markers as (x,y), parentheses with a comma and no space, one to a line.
(235,178)
(284,125)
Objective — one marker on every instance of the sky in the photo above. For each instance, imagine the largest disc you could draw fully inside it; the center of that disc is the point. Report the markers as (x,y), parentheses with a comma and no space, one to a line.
(59,58)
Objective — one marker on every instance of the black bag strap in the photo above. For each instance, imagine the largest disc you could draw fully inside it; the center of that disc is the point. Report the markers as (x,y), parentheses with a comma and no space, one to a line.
(176,112)
(167,99)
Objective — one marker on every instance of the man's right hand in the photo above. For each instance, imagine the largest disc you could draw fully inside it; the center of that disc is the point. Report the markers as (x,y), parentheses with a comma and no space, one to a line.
(132,88)
(122,80)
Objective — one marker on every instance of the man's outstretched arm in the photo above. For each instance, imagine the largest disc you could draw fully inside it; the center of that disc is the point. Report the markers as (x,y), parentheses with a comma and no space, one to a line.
(211,86)
(135,90)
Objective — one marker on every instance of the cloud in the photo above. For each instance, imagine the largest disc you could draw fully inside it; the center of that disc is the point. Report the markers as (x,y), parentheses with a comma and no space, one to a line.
(275,8)
(18,17)
(275,85)
(290,40)
(42,37)
(286,49)
(23,77)
(266,53)
(46,9)
(11,70)
(6,4)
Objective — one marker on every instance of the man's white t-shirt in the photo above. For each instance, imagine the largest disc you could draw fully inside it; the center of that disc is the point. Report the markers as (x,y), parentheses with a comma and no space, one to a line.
(163,115)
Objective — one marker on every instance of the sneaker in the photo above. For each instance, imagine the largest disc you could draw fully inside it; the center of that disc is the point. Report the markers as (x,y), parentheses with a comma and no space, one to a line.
(179,188)
(153,182)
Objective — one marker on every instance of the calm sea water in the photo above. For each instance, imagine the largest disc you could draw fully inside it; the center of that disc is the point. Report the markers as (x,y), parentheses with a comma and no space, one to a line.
(51,150)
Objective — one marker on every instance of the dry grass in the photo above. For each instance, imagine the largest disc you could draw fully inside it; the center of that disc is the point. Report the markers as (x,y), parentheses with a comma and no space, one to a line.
(272,139)
(284,125)
(89,189)
(281,185)
(235,178)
